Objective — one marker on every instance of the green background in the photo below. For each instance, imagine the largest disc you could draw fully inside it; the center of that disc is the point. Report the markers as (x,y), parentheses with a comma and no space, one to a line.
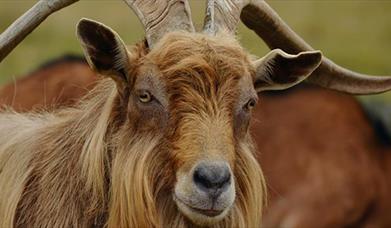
(356,34)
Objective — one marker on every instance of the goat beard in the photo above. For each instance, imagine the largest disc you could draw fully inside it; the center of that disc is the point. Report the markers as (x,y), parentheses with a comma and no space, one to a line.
(143,179)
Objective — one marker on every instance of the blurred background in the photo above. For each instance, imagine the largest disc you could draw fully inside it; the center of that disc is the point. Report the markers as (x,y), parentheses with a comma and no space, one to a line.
(354,33)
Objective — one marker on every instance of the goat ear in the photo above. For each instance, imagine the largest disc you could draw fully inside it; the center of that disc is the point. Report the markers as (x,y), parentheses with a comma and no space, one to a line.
(104,50)
(279,70)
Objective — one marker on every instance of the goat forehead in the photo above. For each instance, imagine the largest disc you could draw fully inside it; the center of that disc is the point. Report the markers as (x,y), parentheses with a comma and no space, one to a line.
(215,52)
(201,66)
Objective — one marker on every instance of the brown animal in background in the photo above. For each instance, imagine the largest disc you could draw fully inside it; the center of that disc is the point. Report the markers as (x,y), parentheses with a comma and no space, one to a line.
(374,85)
(323,162)
(59,83)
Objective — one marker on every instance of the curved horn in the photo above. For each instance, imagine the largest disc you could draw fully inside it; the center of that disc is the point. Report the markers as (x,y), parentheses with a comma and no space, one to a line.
(263,20)
(161,16)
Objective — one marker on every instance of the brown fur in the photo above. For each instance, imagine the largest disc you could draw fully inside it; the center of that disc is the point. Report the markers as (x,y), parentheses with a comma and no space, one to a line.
(323,163)
(96,165)
(324,135)
(55,85)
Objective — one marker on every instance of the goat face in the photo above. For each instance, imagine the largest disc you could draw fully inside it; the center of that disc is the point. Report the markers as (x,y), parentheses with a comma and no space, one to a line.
(195,92)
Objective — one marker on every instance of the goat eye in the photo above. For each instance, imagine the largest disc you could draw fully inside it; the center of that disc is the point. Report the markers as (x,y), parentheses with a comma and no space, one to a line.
(145,97)
(250,104)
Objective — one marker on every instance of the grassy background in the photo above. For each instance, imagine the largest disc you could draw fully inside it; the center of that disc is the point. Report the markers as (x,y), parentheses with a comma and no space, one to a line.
(354,33)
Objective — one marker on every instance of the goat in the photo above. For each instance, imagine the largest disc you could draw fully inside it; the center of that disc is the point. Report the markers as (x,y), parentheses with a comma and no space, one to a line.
(349,89)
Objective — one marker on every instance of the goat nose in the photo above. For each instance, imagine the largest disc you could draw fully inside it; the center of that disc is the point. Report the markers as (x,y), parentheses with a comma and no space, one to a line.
(212,177)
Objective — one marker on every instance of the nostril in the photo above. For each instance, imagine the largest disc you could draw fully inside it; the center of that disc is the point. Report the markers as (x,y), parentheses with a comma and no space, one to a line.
(201,178)
(212,177)
(225,179)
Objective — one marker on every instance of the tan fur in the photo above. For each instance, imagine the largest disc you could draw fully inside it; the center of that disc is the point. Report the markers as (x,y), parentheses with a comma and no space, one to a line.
(92,165)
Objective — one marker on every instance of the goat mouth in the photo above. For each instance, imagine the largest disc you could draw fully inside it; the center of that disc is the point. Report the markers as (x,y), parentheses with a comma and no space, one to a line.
(206,212)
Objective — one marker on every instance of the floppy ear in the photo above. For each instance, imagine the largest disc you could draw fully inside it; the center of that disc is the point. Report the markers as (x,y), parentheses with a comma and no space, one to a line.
(104,50)
(279,70)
